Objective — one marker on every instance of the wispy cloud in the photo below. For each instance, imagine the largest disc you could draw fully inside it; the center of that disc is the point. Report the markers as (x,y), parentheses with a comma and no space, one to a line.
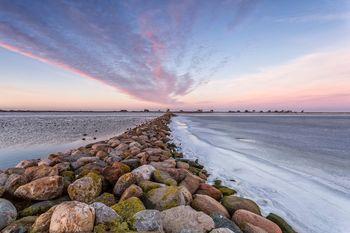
(140,47)
(315,18)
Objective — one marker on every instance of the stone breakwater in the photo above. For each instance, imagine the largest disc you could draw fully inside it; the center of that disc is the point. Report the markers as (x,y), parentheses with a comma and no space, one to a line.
(135,182)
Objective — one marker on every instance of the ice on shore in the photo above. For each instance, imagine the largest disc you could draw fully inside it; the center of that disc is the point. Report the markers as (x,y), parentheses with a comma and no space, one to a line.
(309,192)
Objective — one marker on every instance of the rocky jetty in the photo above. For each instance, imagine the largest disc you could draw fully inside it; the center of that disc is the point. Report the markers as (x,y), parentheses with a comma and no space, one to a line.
(135,182)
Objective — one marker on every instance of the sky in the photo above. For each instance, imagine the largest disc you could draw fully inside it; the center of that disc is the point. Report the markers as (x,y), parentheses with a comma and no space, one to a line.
(183,54)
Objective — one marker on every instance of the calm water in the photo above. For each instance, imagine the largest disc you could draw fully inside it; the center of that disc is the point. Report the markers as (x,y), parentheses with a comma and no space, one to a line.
(295,165)
(34,135)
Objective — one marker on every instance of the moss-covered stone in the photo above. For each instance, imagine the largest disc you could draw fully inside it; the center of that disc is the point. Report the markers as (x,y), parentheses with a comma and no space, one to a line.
(86,188)
(164,178)
(106,198)
(41,207)
(285,227)
(233,203)
(165,197)
(226,191)
(126,209)
(147,185)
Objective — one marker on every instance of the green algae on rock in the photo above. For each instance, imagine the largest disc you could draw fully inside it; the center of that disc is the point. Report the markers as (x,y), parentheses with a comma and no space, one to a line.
(126,209)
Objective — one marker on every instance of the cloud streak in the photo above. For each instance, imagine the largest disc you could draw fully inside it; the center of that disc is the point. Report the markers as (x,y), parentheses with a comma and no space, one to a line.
(142,48)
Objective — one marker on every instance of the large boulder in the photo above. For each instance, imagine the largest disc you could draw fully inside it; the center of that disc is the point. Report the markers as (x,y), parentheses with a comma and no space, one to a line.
(104,214)
(164,178)
(222,230)
(41,207)
(132,191)
(86,188)
(148,185)
(8,213)
(21,225)
(41,171)
(191,182)
(166,197)
(144,172)
(106,198)
(208,205)
(123,183)
(72,216)
(285,227)
(42,189)
(148,220)
(243,217)
(207,189)
(42,223)
(234,203)
(13,182)
(223,222)
(126,209)
(185,219)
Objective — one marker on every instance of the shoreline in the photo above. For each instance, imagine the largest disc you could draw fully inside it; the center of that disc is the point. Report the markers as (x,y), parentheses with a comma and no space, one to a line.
(134,182)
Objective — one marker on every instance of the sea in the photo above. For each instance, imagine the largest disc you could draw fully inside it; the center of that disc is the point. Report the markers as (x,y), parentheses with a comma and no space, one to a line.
(26,135)
(294,165)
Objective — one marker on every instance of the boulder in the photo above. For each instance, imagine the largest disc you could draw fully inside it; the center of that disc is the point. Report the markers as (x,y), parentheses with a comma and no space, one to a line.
(191,182)
(164,178)
(285,227)
(180,164)
(208,205)
(37,172)
(226,191)
(126,209)
(148,220)
(242,217)
(111,174)
(104,214)
(124,168)
(27,163)
(42,223)
(106,198)
(234,203)
(169,163)
(132,163)
(185,219)
(21,225)
(222,222)
(41,207)
(123,183)
(86,188)
(2,190)
(42,189)
(207,189)
(8,213)
(72,216)
(144,172)
(165,198)
(132,191)
(13,182)
(147,185)
(62,167)
(3,178)
(249,228)
(222,230)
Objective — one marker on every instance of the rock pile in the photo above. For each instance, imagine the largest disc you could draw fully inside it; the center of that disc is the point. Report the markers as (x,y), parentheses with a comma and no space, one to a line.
(135,182)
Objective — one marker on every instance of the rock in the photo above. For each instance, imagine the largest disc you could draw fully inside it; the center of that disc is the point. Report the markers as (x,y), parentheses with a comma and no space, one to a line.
(180,164)
(249,228)
(86,188)
(37,172)
(285,227)
(144,172)
(106,198)
(90,167)
(2,190)
(169,163)
(222,230)
(165,198)
(191,182)
(62,167)
(208,205)
(234,203)
(3,178)
(176,174)
(222,222)
(42,223)
(21,225)
(72,216)
(41,189)
(124,168)
(13,182)
(27,163)
(111,174)
(206,189)
(242,217)
(185,219)
(126,209)
(148,220)
(132,163)
(15,170)
(99,146)
(41,207)
(123,183)
(8,213)
(104,214)
(226,191)
(164,178)
(132,191)
(147,185)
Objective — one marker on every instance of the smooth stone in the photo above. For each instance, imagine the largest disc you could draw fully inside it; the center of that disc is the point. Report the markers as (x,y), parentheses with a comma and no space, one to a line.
(41,207)
(208,205)
(86,188)
(148,185)
(180,164)
(111,174)
(234,203)
(73,217)
(164,178)
(132,163)
(8,213)
(3,178)
(222,222)
(243,217)
(103,213)
(169,163)
(123,183)
(185,219)
(249,228)
(42,189)
(165,198)
(128,208)
(144,172)
(42,223)
(222,230)
(148,220)
(191,182)
(106,198)
(132,191)
(13,182)
(27,163)
(285,227)
(37,172)
(207,189)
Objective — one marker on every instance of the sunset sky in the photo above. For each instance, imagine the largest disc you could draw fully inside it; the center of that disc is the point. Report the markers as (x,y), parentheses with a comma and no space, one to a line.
(210,54)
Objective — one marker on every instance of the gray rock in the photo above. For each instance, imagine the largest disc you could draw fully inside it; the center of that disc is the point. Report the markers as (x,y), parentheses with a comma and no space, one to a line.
(148,220)
(103,213)
(144,172)
(221,230)
(13,182)
(3,178)
(8,213)
(222,222)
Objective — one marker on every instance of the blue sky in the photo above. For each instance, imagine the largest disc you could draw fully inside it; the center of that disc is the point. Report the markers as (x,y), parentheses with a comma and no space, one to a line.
(178,54)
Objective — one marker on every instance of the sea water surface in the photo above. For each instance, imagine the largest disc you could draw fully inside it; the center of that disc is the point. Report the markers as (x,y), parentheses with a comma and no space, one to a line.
(297,166)
(25,135)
